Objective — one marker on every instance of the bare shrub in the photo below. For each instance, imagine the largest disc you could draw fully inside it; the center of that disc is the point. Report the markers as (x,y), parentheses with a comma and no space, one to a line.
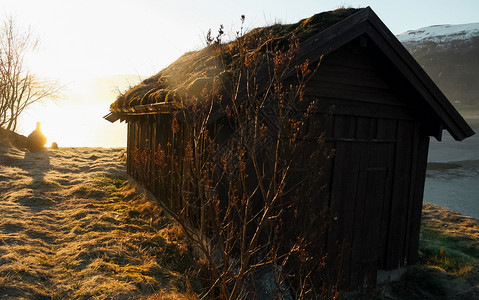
(243,176)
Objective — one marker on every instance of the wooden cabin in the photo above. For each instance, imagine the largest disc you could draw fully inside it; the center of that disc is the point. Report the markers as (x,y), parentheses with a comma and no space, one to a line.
(378,110)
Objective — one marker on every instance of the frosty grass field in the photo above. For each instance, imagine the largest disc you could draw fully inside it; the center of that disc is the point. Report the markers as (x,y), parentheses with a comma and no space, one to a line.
(71,228)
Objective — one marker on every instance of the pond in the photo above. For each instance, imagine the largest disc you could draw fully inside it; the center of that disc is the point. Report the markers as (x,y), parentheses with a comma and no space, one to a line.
(452,178)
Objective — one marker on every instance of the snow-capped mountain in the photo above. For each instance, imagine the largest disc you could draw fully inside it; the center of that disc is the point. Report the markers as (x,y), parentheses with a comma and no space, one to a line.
(441,33)
(450,56)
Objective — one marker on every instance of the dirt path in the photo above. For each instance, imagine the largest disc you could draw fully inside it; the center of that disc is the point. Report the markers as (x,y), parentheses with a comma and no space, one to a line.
(71,228)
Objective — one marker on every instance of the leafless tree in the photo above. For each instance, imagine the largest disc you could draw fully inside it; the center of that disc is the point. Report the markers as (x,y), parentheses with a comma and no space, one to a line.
(19,88)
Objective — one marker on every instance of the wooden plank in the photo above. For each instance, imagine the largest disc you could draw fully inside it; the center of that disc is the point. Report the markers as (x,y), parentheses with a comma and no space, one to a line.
(344,126)
(346,215)
(349,212)
(144,140)
(351,56)
(152,135)
(135,149)
(143,168)
(357,272)
(366,128)
(158,168)
(353,92)
(337,244)
(162,142)
(154,147)
(417,196)
(145,164)
(165,142)
(351,76)
(370,227)
(400,192)
(377,195)
(320,124)
(139,148)
(386,130)
(129,139)
(151,161)
(415,137)
(131,143)
(357,108)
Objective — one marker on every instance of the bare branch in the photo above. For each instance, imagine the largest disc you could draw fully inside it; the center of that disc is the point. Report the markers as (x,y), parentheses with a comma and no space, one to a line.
(18,87)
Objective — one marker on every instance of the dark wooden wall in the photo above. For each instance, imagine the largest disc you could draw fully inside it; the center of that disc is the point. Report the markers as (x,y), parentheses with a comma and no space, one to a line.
(374,184)
(378,173)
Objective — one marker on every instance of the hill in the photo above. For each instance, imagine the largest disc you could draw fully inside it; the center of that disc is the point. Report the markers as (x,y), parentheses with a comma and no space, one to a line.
(10,138)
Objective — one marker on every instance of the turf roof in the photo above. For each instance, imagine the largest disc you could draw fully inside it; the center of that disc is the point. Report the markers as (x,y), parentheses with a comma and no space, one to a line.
(188,76)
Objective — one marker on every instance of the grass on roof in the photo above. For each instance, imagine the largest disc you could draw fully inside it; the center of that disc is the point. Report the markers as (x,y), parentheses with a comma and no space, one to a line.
(210,67)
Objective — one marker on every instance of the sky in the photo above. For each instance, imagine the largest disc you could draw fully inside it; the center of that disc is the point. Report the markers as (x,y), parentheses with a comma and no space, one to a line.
(84,43)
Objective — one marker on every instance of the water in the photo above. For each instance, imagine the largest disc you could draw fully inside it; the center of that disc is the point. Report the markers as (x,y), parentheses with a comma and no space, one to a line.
(452,178)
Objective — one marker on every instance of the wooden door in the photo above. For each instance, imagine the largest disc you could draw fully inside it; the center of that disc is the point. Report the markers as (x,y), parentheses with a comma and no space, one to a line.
(361,191)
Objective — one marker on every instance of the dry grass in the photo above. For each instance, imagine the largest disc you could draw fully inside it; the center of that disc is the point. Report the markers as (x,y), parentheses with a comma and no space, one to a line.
(84,234)
(449,240)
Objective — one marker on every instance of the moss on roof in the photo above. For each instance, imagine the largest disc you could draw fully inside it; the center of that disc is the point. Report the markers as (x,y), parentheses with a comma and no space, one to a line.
(208,68)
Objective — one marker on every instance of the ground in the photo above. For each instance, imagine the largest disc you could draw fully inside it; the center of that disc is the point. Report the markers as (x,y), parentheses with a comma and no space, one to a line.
(72,228)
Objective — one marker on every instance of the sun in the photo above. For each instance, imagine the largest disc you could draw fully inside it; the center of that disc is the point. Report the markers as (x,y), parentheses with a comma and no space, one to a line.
(59,123)
(52,123)
(73,124)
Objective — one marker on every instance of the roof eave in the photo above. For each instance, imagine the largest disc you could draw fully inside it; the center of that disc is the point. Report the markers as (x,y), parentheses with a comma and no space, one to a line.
(147,109)
(367,22)
(403,60)
(112,117)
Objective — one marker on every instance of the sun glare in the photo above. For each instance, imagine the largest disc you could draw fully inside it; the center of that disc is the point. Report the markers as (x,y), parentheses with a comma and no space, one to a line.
(57,128)
(74,125)
(55,124)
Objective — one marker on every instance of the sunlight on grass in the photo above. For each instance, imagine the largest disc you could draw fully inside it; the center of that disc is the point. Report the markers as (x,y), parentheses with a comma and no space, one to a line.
(109,241)
(448,241)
